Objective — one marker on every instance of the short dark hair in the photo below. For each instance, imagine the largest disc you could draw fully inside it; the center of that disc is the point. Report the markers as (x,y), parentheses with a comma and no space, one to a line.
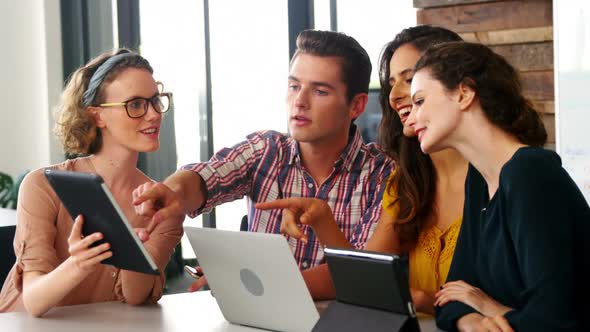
(496,84)
(356,65)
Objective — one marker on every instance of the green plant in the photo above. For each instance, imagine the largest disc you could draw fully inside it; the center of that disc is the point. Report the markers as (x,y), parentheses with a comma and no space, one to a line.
(9,190)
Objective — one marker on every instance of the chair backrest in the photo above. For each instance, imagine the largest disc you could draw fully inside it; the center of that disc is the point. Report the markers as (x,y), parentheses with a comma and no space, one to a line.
(7,231)
(244,223)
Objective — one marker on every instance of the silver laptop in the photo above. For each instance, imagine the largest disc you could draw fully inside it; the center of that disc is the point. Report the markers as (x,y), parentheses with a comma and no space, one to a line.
(254,279)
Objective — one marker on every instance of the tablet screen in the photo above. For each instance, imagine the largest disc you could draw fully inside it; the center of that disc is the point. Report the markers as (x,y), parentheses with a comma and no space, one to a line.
(371,279)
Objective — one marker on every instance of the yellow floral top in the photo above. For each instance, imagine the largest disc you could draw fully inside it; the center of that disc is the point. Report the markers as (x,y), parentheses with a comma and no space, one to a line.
(431,258)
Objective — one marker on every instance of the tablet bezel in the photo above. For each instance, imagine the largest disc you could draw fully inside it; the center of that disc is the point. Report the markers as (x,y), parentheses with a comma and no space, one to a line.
(347,266)
(68,184)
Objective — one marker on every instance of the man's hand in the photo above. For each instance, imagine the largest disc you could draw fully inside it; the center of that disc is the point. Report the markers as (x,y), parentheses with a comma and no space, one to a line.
(200,282)
(142,233)
(156,201)
(297,211)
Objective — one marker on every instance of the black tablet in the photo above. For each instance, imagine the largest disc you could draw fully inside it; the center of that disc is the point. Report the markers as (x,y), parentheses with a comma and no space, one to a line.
(371,279)
(87,194)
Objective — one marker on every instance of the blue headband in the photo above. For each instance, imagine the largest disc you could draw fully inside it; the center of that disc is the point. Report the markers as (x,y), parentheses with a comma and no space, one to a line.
(100,74)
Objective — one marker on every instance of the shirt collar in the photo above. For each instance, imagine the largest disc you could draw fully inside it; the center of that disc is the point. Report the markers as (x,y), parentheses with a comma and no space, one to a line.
(355,141)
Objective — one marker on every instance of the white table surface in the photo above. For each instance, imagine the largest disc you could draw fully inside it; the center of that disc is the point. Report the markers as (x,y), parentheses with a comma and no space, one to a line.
(7,217)
(196,312)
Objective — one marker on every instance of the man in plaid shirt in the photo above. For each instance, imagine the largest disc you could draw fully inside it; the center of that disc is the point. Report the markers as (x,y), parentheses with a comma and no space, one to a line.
(324,157)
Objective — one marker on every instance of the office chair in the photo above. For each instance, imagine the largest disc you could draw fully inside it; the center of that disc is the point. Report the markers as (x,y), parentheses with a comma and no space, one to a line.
(244,223)
(7,231)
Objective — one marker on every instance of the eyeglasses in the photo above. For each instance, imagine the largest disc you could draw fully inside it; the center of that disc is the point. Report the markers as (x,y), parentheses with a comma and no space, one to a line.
(138,107)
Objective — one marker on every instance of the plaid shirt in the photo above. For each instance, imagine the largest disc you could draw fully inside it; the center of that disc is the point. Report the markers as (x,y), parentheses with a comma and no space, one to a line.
(267,166)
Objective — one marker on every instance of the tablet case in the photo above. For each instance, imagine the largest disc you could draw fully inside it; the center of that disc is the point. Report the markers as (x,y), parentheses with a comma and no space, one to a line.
(372,293)
(87,194)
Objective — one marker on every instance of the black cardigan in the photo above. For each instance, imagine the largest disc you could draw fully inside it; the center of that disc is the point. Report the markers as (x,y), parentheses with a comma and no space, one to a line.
(528,247)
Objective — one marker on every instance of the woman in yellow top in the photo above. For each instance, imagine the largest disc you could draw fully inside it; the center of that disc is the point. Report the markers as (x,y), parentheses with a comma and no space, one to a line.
(423,200)
(431,255)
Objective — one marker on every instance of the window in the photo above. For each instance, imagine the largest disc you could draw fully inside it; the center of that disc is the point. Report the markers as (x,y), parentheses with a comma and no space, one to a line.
(172,40)
(249,69)
(249,58)
(321,15)
(374,23)
(572,69)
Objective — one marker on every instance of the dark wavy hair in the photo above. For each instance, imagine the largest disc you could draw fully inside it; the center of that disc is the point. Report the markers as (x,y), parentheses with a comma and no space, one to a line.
(414,181)
(496,84)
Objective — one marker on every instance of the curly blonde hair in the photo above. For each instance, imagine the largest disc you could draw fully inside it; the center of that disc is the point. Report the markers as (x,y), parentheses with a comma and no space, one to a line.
(75,128)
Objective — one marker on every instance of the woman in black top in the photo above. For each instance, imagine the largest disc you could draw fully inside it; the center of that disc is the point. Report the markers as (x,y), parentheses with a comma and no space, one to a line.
(522,256)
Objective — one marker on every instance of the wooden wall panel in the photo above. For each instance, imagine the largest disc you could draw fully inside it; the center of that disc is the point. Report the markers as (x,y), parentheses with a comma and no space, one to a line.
(444,3)
(519,30)
(511,36)
(549,120)
(538,85)
(528,57)
(490,16)
(544,106)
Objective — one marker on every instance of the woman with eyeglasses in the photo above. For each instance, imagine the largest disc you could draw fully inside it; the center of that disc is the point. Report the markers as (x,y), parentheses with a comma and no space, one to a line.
(111,110)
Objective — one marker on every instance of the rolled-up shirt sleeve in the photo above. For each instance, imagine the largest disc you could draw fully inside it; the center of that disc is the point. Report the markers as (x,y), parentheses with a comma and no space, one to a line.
(36,227)
(228,174)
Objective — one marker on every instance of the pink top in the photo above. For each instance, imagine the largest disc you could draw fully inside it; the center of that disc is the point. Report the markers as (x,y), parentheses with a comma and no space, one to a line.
(41,243)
